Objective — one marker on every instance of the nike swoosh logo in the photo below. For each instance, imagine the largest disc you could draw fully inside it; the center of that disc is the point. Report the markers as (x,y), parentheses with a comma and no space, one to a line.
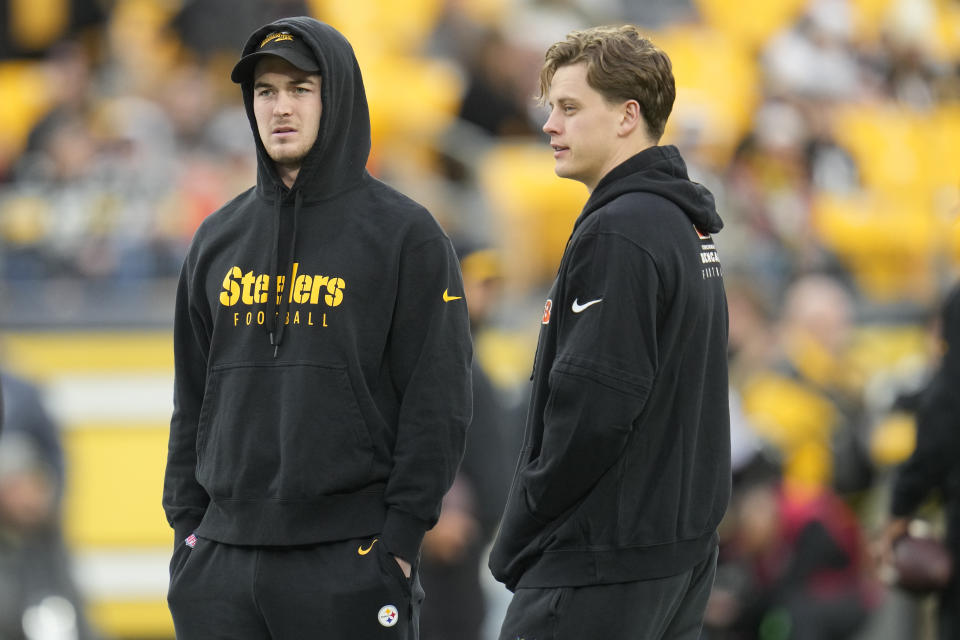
(577,307)
(447,297)
(361,551)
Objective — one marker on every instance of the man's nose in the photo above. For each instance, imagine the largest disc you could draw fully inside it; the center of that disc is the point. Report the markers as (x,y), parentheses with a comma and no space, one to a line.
(550,126)
(283,105)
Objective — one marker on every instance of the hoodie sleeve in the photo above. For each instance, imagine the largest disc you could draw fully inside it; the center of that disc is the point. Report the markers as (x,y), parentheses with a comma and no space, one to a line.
(430,355)
(184,500)
(602,374)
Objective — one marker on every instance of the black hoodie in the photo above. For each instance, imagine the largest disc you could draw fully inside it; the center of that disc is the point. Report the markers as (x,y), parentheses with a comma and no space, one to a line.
(624,472)
(336,409)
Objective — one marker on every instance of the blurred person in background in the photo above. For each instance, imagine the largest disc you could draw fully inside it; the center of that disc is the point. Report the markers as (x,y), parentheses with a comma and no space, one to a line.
(808,403)
(610,528)
(933,466)
(322,372)
(769,192)
(794,566)
(69,66)
(495,99)
(38,597)
(752,342)
(452,550)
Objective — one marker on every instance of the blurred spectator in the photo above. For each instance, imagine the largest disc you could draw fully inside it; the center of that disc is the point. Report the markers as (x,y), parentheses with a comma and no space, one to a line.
(769,194)
(453,549)
(933,465)
(38,597)
(809,403)
(814,57)
(70,78)
(830,167)
(25,413)
(751,341)
(497,100)
(793,569)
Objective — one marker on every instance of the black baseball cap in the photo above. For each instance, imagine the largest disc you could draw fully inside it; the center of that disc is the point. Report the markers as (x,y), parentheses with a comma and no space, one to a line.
(282,44)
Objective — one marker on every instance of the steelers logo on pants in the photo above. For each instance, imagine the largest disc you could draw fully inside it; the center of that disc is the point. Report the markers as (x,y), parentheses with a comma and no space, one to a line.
(388,615)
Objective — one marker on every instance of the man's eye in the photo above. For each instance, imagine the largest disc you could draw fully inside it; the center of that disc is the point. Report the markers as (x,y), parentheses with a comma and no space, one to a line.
(302,90)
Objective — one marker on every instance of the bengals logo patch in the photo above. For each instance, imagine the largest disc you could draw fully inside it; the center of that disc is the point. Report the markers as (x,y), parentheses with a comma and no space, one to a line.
(547,308)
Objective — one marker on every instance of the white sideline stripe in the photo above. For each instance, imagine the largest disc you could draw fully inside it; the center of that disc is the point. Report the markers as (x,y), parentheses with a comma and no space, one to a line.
(120,399)
(122,574)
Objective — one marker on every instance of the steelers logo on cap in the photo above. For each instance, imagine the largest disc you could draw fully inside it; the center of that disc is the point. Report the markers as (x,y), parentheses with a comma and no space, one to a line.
(276,36)
(388,615)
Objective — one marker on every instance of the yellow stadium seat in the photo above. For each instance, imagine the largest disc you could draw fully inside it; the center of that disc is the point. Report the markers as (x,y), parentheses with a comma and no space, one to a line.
(902,154)
(890,245)
(893,440)
(36,24)
(23,86)
(411,99)
(533,208)
(786,413)
(947,28)
(884,142)
(378,27)
(797,421)
(752,22)
(869,18)
(717,82)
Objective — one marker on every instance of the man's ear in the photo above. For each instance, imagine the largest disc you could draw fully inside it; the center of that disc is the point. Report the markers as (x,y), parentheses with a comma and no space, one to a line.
(630,118)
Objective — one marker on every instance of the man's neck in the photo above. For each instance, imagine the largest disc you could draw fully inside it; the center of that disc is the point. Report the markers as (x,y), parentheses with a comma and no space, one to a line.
(288,175)
(624,153)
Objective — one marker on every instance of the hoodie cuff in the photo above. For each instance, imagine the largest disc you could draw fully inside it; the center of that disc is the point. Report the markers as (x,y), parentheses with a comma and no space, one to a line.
(402,534)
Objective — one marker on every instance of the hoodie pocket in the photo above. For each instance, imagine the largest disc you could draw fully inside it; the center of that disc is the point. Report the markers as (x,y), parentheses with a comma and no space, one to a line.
(285,431)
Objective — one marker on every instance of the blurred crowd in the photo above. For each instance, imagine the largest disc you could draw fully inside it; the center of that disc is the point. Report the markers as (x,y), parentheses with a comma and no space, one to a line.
(829,131)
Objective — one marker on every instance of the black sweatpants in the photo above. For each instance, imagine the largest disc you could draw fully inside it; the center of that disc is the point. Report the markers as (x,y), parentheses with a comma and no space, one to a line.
(663,609)
(337,591)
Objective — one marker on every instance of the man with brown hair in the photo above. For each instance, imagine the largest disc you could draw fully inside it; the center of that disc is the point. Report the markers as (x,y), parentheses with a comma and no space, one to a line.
(624,474)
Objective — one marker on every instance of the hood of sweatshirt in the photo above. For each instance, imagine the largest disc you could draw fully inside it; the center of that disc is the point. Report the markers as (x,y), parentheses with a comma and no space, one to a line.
(337,161)
(658,170)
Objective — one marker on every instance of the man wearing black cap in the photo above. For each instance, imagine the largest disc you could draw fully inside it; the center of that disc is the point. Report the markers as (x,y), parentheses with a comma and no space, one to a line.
(322,359)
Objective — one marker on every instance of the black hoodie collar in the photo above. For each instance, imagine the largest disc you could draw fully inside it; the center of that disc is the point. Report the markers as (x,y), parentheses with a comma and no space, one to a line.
(662,171)
(337,161)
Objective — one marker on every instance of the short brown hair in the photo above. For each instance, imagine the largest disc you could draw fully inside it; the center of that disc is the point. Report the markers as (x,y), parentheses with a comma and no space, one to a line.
(621,65)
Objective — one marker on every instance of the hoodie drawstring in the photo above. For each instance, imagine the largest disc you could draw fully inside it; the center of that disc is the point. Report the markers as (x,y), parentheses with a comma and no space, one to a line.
(288,273)
(277,317)
(272,298)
